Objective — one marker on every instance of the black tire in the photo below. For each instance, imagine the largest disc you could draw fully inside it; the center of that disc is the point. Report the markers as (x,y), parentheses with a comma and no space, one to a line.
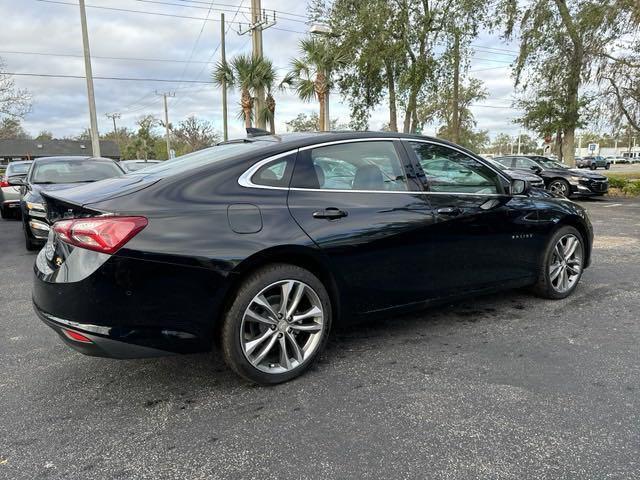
(543,286)
(607,166)
(593,166)
(3,213)
(231,329)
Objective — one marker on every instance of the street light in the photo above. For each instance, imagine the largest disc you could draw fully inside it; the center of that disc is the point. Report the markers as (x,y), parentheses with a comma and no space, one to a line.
(324,30)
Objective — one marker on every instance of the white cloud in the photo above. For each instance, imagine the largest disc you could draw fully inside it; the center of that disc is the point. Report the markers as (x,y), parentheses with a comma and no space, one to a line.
(60,105)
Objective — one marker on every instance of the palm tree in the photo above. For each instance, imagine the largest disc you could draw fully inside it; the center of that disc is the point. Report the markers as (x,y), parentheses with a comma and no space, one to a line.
(248,74)
(310,75)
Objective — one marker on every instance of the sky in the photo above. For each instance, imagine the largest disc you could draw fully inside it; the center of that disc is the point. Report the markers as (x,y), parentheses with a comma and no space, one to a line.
(179,40)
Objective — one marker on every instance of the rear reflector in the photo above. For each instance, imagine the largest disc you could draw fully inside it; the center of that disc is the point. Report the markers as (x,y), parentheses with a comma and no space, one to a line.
(75,336)
(101,234)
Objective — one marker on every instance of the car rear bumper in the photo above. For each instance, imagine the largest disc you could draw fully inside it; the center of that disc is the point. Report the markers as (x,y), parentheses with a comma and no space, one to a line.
(127,307)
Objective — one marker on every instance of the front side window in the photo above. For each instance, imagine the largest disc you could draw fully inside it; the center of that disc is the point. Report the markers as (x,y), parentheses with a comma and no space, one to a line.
(523,163)
(448,170)
(370,166)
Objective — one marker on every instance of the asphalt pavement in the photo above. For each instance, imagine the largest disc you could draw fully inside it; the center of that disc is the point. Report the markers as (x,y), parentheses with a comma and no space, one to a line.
(505,386)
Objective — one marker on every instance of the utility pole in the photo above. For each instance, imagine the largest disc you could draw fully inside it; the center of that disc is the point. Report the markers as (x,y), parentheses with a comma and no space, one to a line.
(114,117)
(225,127)
(166,119)
(259,21)
(455,116)
(95,136)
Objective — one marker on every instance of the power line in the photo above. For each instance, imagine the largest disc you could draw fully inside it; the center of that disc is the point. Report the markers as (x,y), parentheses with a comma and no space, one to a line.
(133,59)
(126,79)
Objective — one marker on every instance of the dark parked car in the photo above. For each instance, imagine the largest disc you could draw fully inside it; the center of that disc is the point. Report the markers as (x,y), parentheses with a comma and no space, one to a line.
(10,195)
(530,177)
(593,162)
(49,174)
(254,246)
(558,178)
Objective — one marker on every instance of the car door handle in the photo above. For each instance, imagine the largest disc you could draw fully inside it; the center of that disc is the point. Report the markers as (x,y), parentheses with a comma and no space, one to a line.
(330,213)
(449,211)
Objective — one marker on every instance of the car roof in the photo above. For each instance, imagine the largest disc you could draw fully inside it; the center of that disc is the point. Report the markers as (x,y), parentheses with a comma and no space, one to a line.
(22,162)
(68,158)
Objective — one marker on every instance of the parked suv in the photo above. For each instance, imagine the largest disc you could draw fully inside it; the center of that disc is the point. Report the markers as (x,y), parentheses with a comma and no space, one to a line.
(10,195)
(593,162)
(559,178)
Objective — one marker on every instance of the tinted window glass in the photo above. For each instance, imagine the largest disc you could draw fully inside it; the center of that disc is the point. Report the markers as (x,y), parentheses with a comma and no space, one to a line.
(18,168)
(371,165)
(200,158)
(523,163)
(74,171)
(274,174)
(448,170)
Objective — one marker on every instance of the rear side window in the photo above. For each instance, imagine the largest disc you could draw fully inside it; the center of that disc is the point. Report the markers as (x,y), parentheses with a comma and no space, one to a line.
(18,168)
(358,166)
(523,163)
(276,173)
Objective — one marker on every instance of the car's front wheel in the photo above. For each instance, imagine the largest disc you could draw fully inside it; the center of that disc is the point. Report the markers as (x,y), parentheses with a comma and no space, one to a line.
(277,324)
(560,187)
(561,265)
(29,243)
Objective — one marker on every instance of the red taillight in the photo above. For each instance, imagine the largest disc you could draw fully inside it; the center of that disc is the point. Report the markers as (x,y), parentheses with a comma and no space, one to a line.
(75,336)
(4,182)
(102,234)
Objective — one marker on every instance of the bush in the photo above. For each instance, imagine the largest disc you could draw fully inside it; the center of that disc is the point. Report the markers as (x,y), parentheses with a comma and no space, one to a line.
(617,182)
(632,187)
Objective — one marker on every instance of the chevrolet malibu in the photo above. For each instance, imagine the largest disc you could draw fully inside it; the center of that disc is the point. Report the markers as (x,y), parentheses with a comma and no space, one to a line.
(261,246)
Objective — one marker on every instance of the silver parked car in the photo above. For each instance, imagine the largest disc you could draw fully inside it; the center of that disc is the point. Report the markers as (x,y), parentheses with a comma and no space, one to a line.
(9,195)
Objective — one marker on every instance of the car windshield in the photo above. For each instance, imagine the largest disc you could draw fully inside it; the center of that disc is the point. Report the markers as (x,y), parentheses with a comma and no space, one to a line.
(496,164)
(546,163)
(74,171)
(199,158)
(18,168)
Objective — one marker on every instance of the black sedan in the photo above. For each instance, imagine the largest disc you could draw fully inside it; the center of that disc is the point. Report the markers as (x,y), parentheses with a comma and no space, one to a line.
(558,178)
(253,245)
(49,174)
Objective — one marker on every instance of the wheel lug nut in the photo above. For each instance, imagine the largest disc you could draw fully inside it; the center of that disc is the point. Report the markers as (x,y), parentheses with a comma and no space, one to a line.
(289,330)
(280,335)
(273,327)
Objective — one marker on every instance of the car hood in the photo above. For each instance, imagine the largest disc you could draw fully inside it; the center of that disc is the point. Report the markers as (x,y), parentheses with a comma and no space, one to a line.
(586,174)
(520,175)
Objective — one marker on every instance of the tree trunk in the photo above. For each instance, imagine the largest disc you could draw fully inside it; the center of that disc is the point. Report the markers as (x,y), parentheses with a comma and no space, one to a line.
(410,114)
(569,148)
(246,102)
(271,107)
(321,120)
(558,144)
(393,109)
(455,100)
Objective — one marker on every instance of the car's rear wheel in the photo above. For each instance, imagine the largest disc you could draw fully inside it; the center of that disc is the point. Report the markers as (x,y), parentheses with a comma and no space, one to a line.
(559,187)
(593,166)
(3,213)
(277,325)
(607,166)
(562,264)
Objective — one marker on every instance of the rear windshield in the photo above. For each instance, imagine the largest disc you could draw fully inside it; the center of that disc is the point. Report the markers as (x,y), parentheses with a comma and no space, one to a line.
(74,171)
(17,168)
(199,158)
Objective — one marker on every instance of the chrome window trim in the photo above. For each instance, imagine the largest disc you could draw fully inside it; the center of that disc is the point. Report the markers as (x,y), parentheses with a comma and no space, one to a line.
(245,179)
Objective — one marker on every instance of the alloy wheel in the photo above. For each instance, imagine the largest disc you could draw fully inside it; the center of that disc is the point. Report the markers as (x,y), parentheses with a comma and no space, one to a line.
(565,266)
(282,327)
(559,188)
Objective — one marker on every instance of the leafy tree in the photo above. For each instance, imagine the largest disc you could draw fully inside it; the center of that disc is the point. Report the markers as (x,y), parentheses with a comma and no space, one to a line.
(14,102)
(308,123)
(560,42)
(144,144)
(311,74)
(45,135)
(11,128)
(193,134)
(249,74)
(501,144)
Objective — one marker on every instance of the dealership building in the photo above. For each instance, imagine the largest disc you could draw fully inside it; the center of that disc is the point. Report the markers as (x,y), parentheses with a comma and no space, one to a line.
(18,149)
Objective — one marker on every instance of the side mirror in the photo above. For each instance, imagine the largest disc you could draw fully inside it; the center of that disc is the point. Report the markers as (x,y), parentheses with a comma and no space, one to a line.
(535,168)
(17,180)
(519,187)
